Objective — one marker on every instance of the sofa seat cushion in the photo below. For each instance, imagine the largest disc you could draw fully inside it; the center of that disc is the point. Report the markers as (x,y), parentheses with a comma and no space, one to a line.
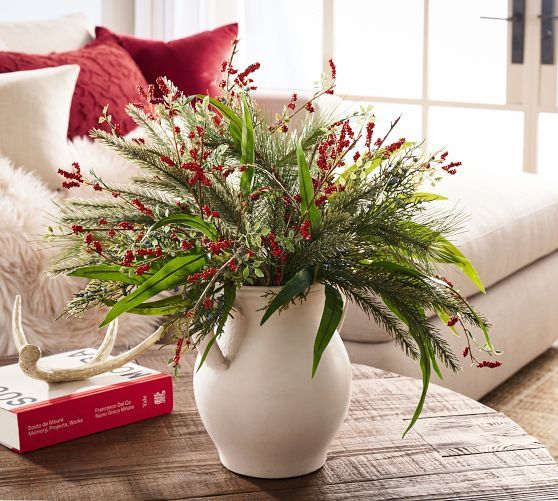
(513,222)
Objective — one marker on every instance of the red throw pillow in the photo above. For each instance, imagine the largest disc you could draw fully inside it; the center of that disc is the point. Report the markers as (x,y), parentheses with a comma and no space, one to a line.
(192,63)
(108,75)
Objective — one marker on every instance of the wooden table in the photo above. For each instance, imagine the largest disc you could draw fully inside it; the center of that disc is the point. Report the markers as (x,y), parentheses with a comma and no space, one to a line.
(459,449)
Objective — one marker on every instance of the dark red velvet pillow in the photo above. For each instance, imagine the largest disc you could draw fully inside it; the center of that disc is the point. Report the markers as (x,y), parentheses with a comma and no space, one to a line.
(192,63)
(108,75)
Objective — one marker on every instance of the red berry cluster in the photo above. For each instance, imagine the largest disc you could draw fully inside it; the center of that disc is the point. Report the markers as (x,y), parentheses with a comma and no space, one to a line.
(393,147)
(490,364)
(128,258)
(156,252)
(143,268)
(204,275)
(217,247)
(125,225)
(162,86)
(185,245)
(465,351)
(305,230)
(329,188)
(136,202)
(198,174)
(451,167)
(148,101)
(275,248)
(75,178)
(167,160)
(333,69)
(77,228)
(369,131)
(333,146)
(209,213)
(233,265)
(177,353)
(102,221)
(241,80)
(97,247)
(208,303)
(452,321)
(292,103)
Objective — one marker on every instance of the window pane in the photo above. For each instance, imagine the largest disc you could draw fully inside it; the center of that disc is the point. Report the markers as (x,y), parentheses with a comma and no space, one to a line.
(33,10)
(378,47)
(286,38)
(468,55)
(547,160)
(489,140)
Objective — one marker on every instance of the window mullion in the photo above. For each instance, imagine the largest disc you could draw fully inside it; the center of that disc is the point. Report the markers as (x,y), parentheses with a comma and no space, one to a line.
(327,33)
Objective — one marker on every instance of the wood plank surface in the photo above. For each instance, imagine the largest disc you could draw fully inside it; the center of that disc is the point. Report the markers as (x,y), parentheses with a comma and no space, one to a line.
(458,450)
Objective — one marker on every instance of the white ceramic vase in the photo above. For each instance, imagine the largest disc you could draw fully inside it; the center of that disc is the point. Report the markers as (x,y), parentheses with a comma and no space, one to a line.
(265,413)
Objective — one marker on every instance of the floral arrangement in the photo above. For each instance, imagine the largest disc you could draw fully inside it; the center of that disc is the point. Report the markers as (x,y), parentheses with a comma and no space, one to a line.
(225,199)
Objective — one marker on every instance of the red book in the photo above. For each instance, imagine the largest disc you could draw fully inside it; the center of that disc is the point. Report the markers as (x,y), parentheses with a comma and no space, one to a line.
(35,414)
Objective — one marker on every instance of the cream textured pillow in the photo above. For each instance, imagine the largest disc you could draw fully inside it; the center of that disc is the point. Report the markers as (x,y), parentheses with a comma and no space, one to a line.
(34,115)
(52,35)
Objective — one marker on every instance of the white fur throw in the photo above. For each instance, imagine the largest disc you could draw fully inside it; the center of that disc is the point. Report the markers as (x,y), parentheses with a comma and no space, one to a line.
(26,210)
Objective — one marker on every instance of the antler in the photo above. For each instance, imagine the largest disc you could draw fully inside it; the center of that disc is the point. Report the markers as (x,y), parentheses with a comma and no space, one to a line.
(30,354)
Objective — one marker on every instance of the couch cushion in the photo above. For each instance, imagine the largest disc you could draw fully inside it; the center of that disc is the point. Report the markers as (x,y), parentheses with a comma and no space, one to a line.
(513,222)
(192,63)
(51,35)
(108,76)
(34,119)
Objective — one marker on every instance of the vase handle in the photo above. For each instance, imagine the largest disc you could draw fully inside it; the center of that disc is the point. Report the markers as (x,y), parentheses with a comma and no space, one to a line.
(215,357)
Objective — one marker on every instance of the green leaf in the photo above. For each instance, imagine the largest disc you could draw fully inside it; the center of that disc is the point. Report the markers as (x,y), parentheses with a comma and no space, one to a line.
(425,358)
(166,306)
(372,165)
(247,147)
(229,296)
(446,252)
(195,222)
(427,197)
(426,374)
(106,272)
(443,251)
(293,288)
(235,123)
(391,266)
(331,316)
(307,205)
(206,351)
(172,274)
